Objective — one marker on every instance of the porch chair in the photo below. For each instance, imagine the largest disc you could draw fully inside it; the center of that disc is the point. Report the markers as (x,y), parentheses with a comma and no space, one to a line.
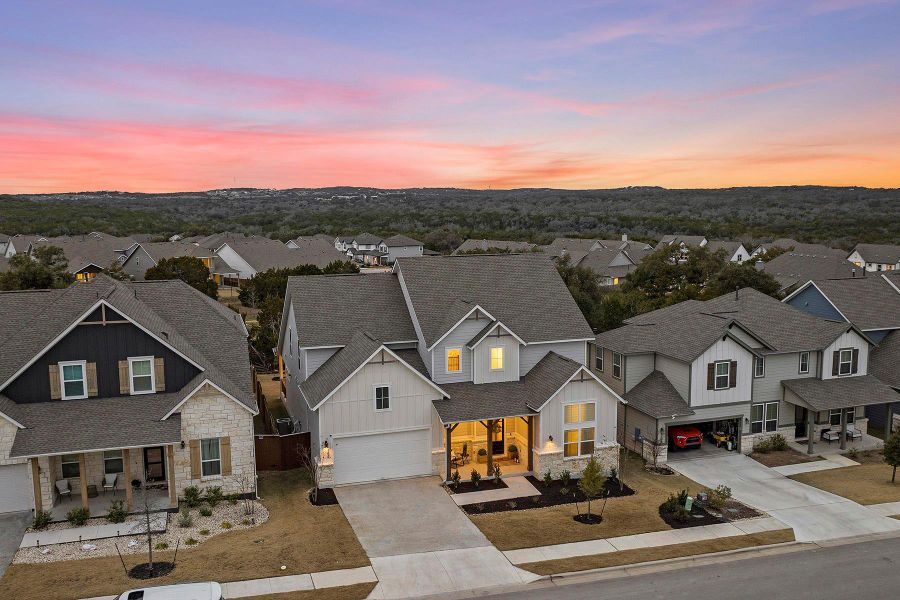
(853,433)
(63,489)
(831,435)
(462,458)
(109,482)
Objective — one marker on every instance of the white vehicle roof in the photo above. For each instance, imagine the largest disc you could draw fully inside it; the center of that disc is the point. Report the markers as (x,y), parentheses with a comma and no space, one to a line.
(209,590)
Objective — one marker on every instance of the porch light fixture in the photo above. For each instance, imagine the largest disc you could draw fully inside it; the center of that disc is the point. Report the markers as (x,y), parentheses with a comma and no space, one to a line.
(326,451)
(182,444)
(550,438)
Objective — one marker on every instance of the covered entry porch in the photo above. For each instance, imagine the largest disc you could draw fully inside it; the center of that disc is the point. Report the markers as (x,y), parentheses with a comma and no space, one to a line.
(479,445)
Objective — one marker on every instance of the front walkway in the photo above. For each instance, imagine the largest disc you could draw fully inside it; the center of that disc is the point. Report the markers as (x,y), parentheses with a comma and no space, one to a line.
(516,487)
(812,513)
(420,542)
(158,524)
(832,461)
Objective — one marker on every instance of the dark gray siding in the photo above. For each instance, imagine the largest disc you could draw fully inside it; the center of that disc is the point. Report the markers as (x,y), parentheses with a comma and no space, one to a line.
(105,345)
(878,335)
(813,302)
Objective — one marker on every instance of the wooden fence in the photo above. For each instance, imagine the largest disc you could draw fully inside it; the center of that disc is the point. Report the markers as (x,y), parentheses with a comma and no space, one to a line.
(280,452)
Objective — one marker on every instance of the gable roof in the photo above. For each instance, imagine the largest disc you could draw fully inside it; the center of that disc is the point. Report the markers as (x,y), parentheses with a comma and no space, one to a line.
(795,267)
(729,246)
(884,361)
(524,291)
(869,302)
(804,248)
(687,240)
(503,245)
(878,253)
(161,250)
(86,250)
(375,304)
(401,240)
(562,245)
(367,239)
(655,396)
(840,392)
(599,261)
(263,253)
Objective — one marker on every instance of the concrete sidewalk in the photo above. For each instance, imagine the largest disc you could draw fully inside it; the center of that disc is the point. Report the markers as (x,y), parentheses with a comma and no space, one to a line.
(158,524)
(644,540)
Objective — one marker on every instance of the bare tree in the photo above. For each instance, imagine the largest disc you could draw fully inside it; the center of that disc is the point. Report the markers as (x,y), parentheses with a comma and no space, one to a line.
(657,446)
(309,462)
(246,487)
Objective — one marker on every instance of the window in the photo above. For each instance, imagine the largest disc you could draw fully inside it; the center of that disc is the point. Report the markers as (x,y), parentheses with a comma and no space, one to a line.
(141,374)
(579,429)
(210,457)
(617,365)
(382,397)
(70,466)
(453,360)
(112,462)
(497,358)
(72,378)
(835,416)
(598,359)
(804,362)
(845,362)
(764,417)
(759,369)
(723,375)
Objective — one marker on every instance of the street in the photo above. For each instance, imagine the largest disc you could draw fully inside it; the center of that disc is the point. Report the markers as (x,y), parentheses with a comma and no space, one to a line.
(863,570)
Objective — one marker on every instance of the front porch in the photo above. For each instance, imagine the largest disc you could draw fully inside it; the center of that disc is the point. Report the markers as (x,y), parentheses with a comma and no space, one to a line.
(157,500)
(479,445)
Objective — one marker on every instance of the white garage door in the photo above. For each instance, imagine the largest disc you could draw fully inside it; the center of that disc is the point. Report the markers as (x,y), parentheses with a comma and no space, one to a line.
(15,488)
(382,456)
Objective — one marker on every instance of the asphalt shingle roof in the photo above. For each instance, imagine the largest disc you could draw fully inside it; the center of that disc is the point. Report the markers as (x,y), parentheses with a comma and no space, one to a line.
(503,245)
(263,253)
(869,302)
(884,361)
(656,396)
(879,253)
(841,392)
(339,367)
(792,268)
(82,251)
(383,314)
(401,240)
(523,291)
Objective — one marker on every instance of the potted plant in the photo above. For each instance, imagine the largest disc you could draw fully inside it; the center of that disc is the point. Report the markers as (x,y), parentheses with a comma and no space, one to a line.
(513,452)
(482,456)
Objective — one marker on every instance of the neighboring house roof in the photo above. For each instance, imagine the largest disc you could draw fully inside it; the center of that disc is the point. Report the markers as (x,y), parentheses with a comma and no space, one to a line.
(367,239)
(878,253)
(792,268)
(86,250)
(804,248)
(840,392)
(657,397)
(215,241)
(162,250)
(358,252)
(401,240)
(523,291)
(263,253)
(572,245)
(884,360)
(468,401)
(870,302)
(687,240)
(503,245)
(377,301)
(599,261)
(729,246)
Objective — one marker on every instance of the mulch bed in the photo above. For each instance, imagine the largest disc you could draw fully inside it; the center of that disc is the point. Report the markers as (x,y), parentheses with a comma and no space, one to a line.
(465,487)
(325,497)
(735,511)
(699,516)
(549,496)
(143,570)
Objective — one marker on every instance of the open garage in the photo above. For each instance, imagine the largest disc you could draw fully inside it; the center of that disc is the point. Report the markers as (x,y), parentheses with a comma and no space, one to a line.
(703,438)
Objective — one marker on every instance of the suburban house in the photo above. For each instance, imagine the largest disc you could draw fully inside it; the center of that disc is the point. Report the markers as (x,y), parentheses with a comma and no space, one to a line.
(89,254)
(372,250)
(147,254)
(682,242)
(739,367)
(872,304)
(798,247)
(18,244)
(471,359)
(734,250)
(400,246)
(794,268)
(244,257)
(494,246)
(115,385)
(876,257)
(562,245)
(299,241)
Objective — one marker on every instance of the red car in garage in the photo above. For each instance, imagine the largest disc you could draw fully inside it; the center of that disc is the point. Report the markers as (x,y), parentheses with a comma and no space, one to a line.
(685,436)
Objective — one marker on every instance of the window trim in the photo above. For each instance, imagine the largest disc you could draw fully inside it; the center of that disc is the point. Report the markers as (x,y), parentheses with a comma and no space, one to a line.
(502,350)
(757,361)
(579,426)
(716,375)
(836,412)
(763,423)
(375,388)
(841,362)
(121,458)
(63,462)
(600,358)
(800,368)
(62,379)
(447,360)
(204,460)
(131,361)
(618,366)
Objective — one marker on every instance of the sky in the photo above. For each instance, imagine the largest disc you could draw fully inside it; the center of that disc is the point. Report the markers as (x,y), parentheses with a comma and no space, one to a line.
(192,95)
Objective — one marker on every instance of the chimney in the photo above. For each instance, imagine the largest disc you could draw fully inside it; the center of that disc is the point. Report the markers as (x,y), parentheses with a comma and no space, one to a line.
(624,237)
(736,294)
(760,265)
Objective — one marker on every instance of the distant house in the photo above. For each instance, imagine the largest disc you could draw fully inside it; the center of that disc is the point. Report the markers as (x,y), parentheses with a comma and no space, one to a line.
(610,265)
(248,256)
(88,254)
(736,251)
(147,255)
(683,243)
(792,269)
(400,246)
(303,239)
(511,246)
(372,250)
(876,257)
(19,244)
(798,247)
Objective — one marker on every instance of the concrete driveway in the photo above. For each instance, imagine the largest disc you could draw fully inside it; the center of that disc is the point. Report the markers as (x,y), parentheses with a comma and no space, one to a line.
(814,514)
(12,528)
(420,542)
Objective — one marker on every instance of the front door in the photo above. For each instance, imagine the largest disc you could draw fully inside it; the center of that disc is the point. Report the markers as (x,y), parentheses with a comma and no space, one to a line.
(800,416)
(155,464)
(498,437)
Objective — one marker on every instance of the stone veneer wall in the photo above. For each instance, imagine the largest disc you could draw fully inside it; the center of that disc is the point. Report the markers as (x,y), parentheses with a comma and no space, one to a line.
(326,472)
(607,455)
(438,462)
(210,414)
(749,440)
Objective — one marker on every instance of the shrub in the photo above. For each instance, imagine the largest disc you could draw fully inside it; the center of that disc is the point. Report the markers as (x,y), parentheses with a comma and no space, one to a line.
(548,479)
(497,473)
(853,453)
(190,541)
(192,496)
(681,514)
(246,522)
(675,501)
(475,477)
(204,532)
(614,474)
(772,443)
(42,518)
(232,499)
(185,519)
(482,452)
(214,496)
(455,479)
(116,512)
(512,504)
(226,525)
(719,497)
(161,546)
(565,478)
(78,516)
(206,511)
(513,449)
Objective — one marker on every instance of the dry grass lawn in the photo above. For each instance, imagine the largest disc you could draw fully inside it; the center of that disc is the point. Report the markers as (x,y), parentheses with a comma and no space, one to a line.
(628,557)
(347,592)
(298,535)
(868,483)
(780,458)
(627,515)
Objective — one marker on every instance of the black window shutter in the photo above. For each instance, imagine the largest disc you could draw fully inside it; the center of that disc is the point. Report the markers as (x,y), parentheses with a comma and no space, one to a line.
(834,363)
(710,376)
(732,379)
(855,367)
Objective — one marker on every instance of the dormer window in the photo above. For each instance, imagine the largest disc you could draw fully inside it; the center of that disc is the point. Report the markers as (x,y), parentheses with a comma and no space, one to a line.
(73,379)
(141,375)
(497,358)
(845,364)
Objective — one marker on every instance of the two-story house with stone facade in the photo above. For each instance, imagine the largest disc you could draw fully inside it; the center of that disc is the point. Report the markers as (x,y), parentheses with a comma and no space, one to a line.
(744,366)
(446,363)
(139,385)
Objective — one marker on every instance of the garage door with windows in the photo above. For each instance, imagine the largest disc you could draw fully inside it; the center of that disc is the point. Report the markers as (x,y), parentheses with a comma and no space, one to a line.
(15,488)
(363,458)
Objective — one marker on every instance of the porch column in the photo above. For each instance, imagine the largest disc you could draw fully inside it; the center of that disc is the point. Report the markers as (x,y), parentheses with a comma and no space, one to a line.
(490,447)
(531,443)
(170,467)
(448,451)
(82,476)
(129,493)
(843,429)
(36,480)
(810,430)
